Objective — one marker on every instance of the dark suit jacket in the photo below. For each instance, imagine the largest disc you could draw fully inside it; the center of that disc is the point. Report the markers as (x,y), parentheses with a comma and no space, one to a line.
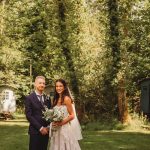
(33,111)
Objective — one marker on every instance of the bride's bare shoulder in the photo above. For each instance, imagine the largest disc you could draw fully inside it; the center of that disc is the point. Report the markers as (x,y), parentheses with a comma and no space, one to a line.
(67,99)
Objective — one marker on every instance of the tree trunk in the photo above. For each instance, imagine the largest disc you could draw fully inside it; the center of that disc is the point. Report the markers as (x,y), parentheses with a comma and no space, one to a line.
(114,39)
(114,45)
(2,21)
(122,102)
(116,56)
(65,47)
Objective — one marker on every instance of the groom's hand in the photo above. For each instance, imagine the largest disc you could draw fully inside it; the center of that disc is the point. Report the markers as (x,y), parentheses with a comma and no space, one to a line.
(44,131)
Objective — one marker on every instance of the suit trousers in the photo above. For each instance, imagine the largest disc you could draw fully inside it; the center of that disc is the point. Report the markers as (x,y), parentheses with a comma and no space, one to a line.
(38,142)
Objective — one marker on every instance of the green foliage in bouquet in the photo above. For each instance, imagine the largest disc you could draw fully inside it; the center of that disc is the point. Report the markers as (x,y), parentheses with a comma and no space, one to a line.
(54,114)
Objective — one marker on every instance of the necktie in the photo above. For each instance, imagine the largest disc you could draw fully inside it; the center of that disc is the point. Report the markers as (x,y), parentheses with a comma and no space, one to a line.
(40,98)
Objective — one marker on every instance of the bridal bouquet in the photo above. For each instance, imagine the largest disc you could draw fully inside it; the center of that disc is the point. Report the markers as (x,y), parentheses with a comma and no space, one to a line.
(53,115)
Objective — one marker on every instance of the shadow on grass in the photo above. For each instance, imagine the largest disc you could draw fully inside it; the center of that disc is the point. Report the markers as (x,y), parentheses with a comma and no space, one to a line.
(13,121)
(19,118)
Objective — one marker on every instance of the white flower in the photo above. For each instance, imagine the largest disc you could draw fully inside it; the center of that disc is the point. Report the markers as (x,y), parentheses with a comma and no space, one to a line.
(53,114)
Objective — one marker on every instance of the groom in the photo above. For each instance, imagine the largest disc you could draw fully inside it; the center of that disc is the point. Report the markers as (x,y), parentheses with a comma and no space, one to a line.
(34,105)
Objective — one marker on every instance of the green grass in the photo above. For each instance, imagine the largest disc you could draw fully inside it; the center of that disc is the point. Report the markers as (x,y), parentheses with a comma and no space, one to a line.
(13,136)
(115,140)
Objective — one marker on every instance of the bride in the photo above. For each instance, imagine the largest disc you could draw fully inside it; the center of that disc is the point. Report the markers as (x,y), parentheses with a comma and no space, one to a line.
(68,130)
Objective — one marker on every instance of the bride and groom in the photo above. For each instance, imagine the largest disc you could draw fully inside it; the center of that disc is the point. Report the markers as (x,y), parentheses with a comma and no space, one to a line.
(68,130)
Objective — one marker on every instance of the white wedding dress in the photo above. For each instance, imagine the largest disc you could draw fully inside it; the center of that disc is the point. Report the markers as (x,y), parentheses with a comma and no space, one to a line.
(66,137)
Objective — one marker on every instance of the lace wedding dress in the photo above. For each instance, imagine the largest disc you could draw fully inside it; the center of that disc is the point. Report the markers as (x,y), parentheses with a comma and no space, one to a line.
(66,137)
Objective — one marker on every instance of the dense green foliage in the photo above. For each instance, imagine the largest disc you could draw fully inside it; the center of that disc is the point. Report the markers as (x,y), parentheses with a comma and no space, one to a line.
(91,44)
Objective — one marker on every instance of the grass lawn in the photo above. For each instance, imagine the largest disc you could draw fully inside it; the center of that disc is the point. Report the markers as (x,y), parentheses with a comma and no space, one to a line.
(115,140)
(13,136)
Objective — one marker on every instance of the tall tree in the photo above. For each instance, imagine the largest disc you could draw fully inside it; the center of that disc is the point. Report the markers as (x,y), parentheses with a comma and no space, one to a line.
(64,35)
(118,73)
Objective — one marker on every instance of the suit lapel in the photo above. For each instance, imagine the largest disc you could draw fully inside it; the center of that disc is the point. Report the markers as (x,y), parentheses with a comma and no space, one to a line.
(37,100)
(45,100)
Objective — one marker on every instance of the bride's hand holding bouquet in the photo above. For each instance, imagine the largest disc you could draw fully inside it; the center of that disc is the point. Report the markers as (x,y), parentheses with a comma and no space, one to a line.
(55,116)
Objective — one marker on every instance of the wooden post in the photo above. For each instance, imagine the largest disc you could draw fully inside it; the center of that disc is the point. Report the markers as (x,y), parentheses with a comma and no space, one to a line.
(2,18)
(2,21)
(31,75)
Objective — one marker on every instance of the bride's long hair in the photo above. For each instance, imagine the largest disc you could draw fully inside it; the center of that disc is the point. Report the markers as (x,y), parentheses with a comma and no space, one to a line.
(66,92)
